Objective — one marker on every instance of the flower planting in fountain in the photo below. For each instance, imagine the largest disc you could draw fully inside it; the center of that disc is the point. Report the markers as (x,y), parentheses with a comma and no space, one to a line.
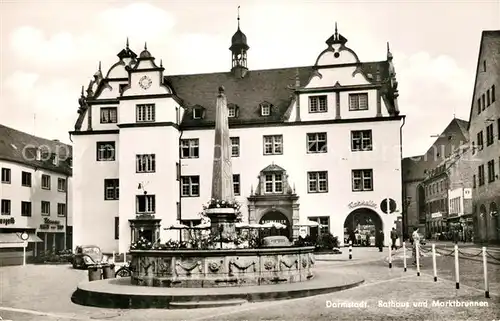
(216,203)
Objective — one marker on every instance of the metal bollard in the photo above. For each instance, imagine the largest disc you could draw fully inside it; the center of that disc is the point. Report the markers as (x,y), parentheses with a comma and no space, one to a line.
(350,250)
(457,277)
(404,255)
(390,257)
(417,253)
(434,262)
(485,268)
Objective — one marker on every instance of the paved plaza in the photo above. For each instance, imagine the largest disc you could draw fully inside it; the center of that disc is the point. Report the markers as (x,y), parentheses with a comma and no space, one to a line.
(42,292)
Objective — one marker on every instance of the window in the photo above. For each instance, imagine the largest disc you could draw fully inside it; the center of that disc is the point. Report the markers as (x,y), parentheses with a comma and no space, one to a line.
(190,186)
(190,148)
(106,151)
(358,101)
(236,184)
(111,189)
(488,98)
(145,163)
(318,104)
(474,181)
(146,204)
(231,111)
(45,181)
(483,101)
(362,180)
(480,174)
(273,145)
(61,184)
(484,65)
(25,208)
(108,115)
(361,140)
(317,182)
(498,128)
(61,209)
(491,171)
(197,113)
(480,140)
(45,208)
(117,228)
(235,146)
(274,183)
(316,143)
(324,223)
(489,135)
(145,113)
(5,207)
(479,106)
(492,94)
(26,179)
(6,175)
(265,109)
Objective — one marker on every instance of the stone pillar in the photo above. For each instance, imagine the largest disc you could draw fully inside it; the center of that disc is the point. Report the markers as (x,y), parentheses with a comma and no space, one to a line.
(295,221)
(251,214)
(379,104)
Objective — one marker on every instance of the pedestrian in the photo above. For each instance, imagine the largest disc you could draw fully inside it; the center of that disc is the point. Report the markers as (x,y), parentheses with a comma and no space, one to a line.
(394,237)
(416,243)
(380,240)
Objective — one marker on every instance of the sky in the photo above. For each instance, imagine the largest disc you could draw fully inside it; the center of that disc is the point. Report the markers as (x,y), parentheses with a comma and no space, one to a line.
(49,49)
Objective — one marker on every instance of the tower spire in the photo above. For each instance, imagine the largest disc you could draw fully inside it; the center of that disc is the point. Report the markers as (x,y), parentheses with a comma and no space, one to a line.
(238,17)
(99,66)
(389,54)
(336,30)
(127,44)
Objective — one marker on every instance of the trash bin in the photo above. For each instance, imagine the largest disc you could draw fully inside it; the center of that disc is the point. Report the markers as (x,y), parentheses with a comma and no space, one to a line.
(108,271)
(94,273)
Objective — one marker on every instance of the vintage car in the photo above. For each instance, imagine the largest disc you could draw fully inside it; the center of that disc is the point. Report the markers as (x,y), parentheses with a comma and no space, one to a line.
(86,255)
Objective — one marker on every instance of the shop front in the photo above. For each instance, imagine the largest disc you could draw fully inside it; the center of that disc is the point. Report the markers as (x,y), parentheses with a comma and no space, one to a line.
(11,244)
(52,235)
(461,228)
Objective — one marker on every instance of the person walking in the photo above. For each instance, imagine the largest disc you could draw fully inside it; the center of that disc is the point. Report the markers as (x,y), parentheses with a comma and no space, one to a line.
(380,240)
(416,243)
(394,237)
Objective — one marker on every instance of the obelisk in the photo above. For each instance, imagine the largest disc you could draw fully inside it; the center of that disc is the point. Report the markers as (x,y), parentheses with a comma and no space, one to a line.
(222,219)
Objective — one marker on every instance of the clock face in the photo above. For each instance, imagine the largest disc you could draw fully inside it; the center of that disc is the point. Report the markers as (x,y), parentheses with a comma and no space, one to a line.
(145,82)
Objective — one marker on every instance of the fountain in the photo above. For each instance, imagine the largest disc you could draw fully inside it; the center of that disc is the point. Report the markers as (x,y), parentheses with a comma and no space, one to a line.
(223,265)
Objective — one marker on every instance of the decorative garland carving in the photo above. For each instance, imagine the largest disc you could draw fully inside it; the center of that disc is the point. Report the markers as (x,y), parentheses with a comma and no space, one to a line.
(290,265)
(163,267)
(190,268)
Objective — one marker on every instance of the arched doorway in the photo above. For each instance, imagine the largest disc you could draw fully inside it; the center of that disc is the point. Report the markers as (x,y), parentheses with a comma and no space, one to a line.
(495,229)
(362,224)
(276,217)
(483,219)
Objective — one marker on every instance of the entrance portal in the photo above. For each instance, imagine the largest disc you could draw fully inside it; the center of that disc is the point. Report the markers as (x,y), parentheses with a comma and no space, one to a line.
(276,217)
(361,226)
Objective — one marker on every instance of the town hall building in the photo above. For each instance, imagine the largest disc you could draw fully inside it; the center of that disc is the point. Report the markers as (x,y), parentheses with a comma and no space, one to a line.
(317,143)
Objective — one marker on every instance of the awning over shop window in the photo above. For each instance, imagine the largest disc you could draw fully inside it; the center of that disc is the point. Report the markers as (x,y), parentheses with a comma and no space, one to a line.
(33,238)
(10,240)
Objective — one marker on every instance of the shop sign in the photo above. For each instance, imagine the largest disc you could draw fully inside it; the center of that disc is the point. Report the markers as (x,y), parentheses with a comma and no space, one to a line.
(7,221)
(51,224)
(467,193)
(436,215)
(353,205)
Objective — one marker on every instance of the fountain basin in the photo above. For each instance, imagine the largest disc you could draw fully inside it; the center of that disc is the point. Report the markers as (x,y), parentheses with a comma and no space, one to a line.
(185,268)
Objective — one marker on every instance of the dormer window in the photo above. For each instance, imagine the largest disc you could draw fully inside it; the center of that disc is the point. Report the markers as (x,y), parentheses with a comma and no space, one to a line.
(197,113)
(232,111)
(318,104)
(265,109)
(55,159)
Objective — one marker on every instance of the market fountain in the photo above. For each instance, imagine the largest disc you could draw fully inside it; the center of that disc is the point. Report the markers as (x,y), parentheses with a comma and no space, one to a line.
(222,264)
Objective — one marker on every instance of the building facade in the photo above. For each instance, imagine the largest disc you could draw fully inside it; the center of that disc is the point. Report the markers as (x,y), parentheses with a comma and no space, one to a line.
(35,193)
(484,131)
(426,180)
(321,143)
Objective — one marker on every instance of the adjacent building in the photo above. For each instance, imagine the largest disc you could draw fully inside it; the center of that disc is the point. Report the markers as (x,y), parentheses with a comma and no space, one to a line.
(484,131)
(35,193)
(426,180)
(320,142)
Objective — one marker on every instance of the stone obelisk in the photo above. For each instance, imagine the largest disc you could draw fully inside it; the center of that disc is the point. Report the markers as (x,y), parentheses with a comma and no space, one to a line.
(222,219)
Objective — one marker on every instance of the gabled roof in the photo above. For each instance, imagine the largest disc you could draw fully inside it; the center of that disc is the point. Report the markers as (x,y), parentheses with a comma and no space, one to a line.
(275,86)
(273,168)
(463,125)
(20,147)
(494,35)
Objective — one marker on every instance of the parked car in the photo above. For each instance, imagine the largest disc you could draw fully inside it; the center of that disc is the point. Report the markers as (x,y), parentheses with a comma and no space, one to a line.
(86,255)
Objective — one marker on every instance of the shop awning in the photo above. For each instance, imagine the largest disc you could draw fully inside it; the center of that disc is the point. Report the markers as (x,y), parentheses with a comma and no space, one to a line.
(33,238)
(10,238)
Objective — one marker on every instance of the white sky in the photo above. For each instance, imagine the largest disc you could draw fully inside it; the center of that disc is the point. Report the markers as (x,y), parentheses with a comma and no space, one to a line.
(49,49)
